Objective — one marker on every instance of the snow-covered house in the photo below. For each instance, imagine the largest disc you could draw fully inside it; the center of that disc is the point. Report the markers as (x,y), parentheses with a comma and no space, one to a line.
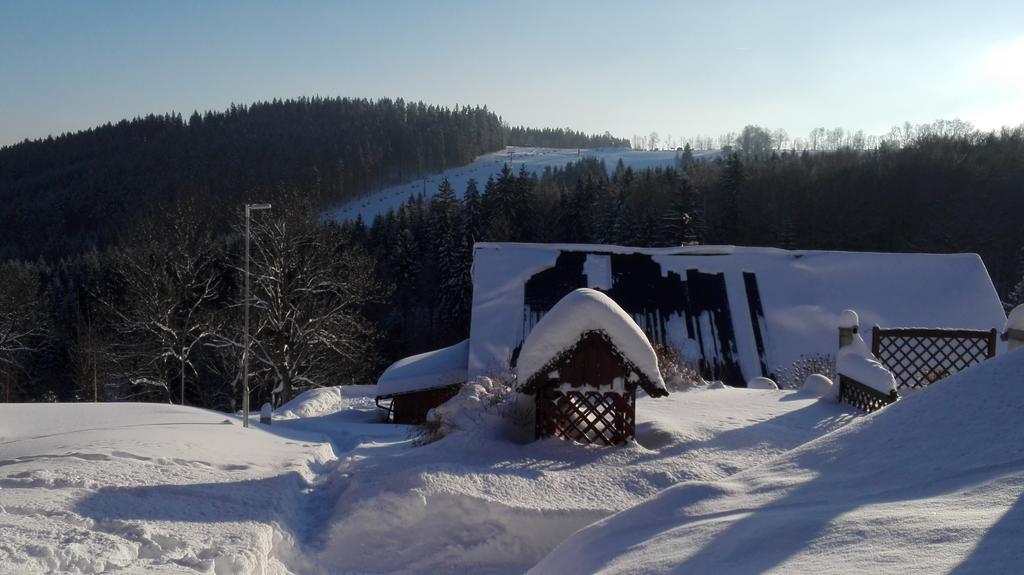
(415,385)
(734,312)
(583,362)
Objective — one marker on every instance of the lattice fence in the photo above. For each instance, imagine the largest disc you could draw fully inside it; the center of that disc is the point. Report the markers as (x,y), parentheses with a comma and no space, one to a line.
(863,397)
(605,418)
(918,357)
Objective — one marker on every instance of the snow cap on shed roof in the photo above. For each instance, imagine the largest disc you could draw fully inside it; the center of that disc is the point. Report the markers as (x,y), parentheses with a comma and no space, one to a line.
(430,370)
(581,311)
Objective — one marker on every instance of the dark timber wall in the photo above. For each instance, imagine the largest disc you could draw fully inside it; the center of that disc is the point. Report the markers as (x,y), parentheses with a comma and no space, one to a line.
(653,300)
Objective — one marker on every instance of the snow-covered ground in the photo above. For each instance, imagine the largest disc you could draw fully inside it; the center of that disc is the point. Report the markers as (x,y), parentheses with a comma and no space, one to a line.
(92,488)
(931,484)
(535,160)
(133,488)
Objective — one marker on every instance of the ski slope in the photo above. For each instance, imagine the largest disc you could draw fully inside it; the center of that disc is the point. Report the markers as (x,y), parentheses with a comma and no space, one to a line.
(534,159)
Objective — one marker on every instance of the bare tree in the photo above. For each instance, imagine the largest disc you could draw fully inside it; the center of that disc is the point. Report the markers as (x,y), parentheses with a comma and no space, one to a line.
(24,323)
(754,141)
(309,294)
(157,304)
(780,139)
(816,138)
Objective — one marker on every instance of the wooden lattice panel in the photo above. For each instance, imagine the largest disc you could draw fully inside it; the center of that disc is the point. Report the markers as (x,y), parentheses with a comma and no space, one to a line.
(919,357)
(863,397)
(588,417)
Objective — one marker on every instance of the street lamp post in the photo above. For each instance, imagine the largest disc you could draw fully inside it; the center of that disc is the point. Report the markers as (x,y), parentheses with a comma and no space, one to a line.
(183,349)
(245,352)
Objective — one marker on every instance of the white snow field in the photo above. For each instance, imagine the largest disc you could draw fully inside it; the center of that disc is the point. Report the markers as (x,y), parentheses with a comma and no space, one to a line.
(129,487)
(535,159)
(931,484)
(326,489)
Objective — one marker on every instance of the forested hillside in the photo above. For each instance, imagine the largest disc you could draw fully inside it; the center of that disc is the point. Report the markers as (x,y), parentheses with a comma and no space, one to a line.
(60,196)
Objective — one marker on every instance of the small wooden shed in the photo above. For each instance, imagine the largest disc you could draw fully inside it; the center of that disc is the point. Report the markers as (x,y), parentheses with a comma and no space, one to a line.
(583,363)
(411,387)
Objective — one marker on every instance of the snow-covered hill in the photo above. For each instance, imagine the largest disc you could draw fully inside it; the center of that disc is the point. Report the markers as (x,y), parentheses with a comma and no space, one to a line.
(931,484)
(535,160)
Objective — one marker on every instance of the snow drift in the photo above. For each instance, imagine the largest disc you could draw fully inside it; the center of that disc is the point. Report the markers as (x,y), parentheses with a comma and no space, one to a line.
(931,484)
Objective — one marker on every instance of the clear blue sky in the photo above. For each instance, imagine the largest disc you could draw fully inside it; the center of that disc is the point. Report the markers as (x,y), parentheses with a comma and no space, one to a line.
(627,66)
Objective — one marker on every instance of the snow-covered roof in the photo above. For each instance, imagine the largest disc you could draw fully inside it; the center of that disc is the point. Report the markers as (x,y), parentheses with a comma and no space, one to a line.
(777,305)
(1016,319)
(582,311)
(438,368)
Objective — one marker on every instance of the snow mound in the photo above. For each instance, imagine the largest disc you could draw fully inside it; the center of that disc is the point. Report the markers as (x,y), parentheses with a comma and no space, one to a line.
(857,362)
(931,484)
(579,312)
(327,400)
(762,383)
(819,386)
(438,368)
(866,370)
(849,319)
(472,408)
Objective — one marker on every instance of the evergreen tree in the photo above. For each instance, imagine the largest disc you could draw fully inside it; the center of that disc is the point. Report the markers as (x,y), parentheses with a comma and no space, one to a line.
(680,221)
(1016,295)
(686,160)
(730,187)
(472,214)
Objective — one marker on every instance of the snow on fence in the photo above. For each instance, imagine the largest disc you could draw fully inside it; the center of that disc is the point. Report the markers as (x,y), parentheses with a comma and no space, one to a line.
(863,381)
(864,397)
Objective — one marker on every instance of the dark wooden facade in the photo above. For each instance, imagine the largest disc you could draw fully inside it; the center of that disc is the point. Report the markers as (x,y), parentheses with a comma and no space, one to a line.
(653,297)
(411,408)
(587,393)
